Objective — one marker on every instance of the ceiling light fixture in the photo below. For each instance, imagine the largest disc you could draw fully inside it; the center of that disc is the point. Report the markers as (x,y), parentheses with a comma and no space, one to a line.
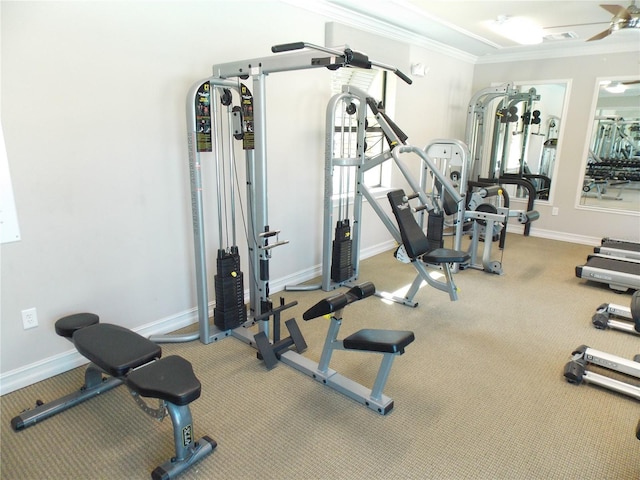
(519,29)
(553,37)
(615,87)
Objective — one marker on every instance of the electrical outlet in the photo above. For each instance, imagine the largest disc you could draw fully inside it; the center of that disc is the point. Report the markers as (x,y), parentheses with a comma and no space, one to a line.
(554,211)
(29,318)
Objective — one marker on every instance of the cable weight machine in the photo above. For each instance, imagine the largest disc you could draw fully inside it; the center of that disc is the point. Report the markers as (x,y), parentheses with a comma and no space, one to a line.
(347,157)
(247,122)
(480,118)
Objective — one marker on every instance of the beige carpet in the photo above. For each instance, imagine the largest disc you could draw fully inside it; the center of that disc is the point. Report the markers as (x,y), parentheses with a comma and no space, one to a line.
(479,394)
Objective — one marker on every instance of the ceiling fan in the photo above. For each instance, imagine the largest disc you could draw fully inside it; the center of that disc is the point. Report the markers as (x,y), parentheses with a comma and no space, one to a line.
(617,87)
(623,18)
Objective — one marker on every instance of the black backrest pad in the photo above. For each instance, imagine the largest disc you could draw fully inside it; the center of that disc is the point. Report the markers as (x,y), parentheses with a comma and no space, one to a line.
(363,290)
(115,349)
(413,238)
(435,231)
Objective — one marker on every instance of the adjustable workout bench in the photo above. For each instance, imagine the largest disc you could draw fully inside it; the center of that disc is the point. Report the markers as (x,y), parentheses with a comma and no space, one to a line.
(135,361)
(423,249)
(387,342)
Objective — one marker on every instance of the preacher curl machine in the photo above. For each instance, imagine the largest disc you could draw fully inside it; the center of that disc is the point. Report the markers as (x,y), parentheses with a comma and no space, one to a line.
(388,343)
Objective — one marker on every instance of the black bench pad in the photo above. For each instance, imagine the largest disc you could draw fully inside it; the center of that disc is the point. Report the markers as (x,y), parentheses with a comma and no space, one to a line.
(339,301)
(115,349)
(170,379)
(384,341)
(413,238)
(445,255)
(67,326)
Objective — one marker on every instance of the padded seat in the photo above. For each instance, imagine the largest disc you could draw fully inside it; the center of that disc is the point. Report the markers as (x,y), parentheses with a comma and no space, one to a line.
(416,243)
(445,255)
(170,379)
(67,326)
(115,349)
(383,341)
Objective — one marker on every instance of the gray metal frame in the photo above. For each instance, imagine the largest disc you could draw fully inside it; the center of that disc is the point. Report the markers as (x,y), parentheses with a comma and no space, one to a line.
(501,140)
(583,356)
(619,317)
(339,159)
(451,156)
(477,122)
(362,164)
(228,75)
(373,398)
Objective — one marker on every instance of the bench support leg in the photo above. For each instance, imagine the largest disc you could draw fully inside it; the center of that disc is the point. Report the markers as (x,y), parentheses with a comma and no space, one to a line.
(188,451)
(330,343)
(94,385)
(383,375)
(413,289)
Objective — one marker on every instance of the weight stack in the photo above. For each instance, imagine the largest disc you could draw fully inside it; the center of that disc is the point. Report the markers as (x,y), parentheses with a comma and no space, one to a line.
(341,266)
(230,310)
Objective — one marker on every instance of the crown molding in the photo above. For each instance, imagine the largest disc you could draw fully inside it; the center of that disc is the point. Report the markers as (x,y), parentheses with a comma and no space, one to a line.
(363,22)
(335,12)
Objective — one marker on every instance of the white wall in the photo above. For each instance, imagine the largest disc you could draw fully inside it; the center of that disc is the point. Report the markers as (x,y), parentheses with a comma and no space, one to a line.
(93,111)
(571,223)
(94,118)
(436,103)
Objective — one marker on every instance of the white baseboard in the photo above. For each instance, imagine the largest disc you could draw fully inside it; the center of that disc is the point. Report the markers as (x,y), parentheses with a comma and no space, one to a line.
(560,236)
(41,370)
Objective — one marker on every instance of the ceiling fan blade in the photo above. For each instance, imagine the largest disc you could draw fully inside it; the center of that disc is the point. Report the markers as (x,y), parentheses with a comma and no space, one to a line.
(600,36)
(575,25)
(617,11)
(631,82)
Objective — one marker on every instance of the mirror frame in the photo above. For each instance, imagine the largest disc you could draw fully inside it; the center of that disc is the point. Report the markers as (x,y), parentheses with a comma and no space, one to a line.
(587,146)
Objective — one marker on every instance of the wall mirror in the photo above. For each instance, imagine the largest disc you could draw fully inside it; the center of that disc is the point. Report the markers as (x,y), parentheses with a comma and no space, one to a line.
(530,142)
(520,144)
(611,173)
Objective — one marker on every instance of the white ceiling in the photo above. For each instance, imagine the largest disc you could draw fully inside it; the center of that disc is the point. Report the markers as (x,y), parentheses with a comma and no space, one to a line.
(462,24)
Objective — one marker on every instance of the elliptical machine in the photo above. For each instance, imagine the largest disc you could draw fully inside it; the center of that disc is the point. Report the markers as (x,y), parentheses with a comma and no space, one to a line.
(576,371)
(619,317)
